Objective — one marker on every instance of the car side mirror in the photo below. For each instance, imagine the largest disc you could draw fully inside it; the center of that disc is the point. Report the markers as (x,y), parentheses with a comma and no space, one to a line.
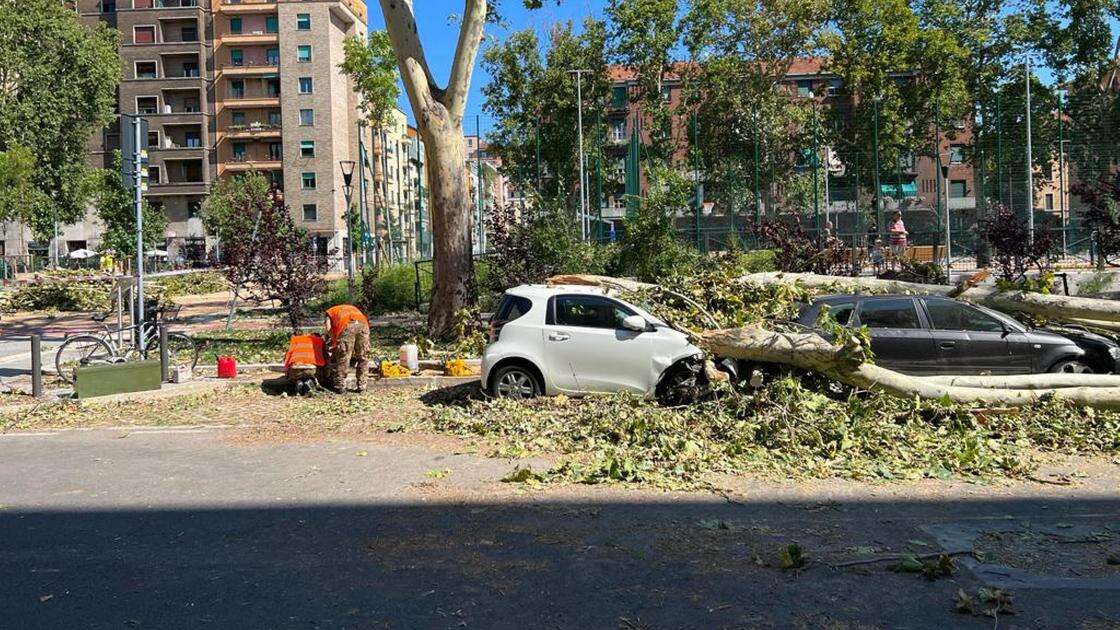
(636,323)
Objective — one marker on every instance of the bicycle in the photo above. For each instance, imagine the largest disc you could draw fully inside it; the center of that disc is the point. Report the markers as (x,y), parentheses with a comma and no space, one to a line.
(102,348)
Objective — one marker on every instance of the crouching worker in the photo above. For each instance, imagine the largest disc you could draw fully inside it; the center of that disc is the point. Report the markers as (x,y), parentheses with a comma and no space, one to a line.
(348,336)
(305,363)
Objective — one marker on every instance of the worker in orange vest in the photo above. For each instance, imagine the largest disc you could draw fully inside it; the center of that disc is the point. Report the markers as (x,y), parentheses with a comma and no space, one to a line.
(305,363)
(348,337)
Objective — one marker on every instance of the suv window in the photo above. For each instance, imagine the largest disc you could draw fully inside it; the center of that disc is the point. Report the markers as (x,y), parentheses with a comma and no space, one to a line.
(954,316)
(590,312)
(898,313)
(512,307)
(842,312)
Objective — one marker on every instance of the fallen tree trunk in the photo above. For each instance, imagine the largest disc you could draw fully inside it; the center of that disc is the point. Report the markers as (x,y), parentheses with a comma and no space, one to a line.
(1049,306)
(1029,381)
(810,351)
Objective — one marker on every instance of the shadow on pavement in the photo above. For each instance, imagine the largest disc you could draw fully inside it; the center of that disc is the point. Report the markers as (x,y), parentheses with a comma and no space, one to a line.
(672,563)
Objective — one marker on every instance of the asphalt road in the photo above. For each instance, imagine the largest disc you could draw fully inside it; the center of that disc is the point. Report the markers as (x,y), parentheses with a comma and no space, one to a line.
(185,528)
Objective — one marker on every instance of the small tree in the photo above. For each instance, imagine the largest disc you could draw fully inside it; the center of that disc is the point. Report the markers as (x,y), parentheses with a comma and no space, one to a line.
(264,255)
(115,209)
(1102,214)
(1014,252)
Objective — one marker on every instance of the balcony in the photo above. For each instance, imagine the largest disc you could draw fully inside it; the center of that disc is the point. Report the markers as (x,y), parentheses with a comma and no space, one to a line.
(166,4)
(248,38)
(242,163)
(247,6)
(253,130)
(248,68)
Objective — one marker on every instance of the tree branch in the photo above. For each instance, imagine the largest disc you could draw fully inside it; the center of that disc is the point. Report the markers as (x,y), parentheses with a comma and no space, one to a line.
(400,21)
(470,38)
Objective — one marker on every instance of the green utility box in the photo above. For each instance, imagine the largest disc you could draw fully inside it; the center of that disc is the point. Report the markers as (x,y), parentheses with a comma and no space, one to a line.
(117,378)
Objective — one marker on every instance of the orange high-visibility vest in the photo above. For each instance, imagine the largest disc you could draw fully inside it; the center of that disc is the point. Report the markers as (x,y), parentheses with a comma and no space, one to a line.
(341,316)
(305,350)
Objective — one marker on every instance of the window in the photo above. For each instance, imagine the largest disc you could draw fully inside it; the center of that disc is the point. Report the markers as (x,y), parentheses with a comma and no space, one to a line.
(1049,201)
(147,104)
(945,315)
(272,87)
(303,53)
(192,139)
(275,151)
(306,117)
(153,138)
(305,85)
(271,24)
(143,34)
(957,188)
(956,154)
(307,148)
(190,68)
(618,130)
(145,69)
(274,117)
(154,174)
(238,118)
(832,88)
(511,308)
(619,97)
(310,212)
(194,208)
(842,312)
(108,6)
(190,34)
(272,56)
(237,57)
(239,154)
(805,87)
(590,312)
(303,21)
(237,88)
(308,181)
(235,25)
(890,313)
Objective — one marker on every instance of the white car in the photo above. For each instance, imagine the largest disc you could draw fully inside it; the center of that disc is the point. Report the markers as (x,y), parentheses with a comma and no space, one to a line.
(578,340)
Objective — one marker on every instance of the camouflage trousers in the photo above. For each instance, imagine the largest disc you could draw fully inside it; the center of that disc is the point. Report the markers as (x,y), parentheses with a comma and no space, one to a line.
(352,346)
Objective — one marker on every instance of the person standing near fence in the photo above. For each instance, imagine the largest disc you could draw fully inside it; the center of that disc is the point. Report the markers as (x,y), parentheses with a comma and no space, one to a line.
(897,231)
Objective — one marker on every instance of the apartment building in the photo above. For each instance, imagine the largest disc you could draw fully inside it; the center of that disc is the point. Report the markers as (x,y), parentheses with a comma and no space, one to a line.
(404,225)
(911,184)
(227,87)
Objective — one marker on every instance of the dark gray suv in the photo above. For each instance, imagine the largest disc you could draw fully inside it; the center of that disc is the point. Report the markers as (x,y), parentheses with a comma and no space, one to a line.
(935,335)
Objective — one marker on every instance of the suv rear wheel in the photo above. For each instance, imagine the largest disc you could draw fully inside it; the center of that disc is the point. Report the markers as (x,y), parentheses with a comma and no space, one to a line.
(1071,367)
(516,382)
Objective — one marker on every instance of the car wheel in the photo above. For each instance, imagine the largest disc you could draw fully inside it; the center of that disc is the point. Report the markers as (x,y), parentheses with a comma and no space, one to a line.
(1071,367)
(516,382)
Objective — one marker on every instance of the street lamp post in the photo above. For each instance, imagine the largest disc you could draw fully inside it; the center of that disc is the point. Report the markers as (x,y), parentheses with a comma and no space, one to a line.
(347,167)
(583,223)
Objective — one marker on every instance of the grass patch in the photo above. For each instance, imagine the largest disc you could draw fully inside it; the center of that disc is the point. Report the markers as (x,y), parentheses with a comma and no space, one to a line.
(783,429)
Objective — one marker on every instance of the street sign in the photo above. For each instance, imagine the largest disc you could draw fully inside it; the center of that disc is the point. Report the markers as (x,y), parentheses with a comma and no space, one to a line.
(129,149)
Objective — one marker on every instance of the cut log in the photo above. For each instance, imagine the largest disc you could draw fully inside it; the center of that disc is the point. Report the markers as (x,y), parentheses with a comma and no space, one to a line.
(1048,306)
(810,351)
(1029,381)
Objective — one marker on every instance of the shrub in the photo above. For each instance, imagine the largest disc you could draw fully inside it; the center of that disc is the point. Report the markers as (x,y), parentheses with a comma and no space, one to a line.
(199,283)
(1014,253)
(797,252)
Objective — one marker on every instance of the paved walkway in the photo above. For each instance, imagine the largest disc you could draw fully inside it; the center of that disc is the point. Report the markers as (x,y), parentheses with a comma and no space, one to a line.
(182,527)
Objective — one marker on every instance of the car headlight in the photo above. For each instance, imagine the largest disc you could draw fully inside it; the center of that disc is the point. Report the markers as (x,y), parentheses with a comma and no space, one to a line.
(1114,352)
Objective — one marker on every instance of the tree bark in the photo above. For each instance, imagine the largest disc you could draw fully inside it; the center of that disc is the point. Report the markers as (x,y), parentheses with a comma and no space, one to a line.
(810,351)
(439,119)
(1030,381)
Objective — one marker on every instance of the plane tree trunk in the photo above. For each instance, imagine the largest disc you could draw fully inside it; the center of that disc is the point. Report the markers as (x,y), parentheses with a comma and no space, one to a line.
(439,119)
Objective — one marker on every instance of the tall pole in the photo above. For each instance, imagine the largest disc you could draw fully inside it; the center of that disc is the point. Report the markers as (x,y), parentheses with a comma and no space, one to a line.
(999,150)
(878,190)
(1062,178)
(362,190)
(1030,160)
(582,171)
(757,192)
(478,175)
(137,203)
(816,164)
(941,176)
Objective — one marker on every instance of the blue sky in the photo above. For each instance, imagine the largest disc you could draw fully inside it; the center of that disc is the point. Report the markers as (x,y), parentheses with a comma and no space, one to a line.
(440,34)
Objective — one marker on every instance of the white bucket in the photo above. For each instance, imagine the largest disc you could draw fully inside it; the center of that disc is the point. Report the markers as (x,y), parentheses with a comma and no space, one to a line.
(410,356)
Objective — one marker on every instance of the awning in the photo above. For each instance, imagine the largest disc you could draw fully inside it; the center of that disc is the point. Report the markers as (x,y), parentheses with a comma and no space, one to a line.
(899,191)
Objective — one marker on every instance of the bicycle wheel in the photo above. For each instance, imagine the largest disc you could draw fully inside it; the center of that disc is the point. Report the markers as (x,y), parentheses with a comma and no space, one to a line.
(78,352)
(181,349)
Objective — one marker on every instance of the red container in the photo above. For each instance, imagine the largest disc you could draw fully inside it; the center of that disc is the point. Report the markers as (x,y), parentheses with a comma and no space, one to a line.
(227,367)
